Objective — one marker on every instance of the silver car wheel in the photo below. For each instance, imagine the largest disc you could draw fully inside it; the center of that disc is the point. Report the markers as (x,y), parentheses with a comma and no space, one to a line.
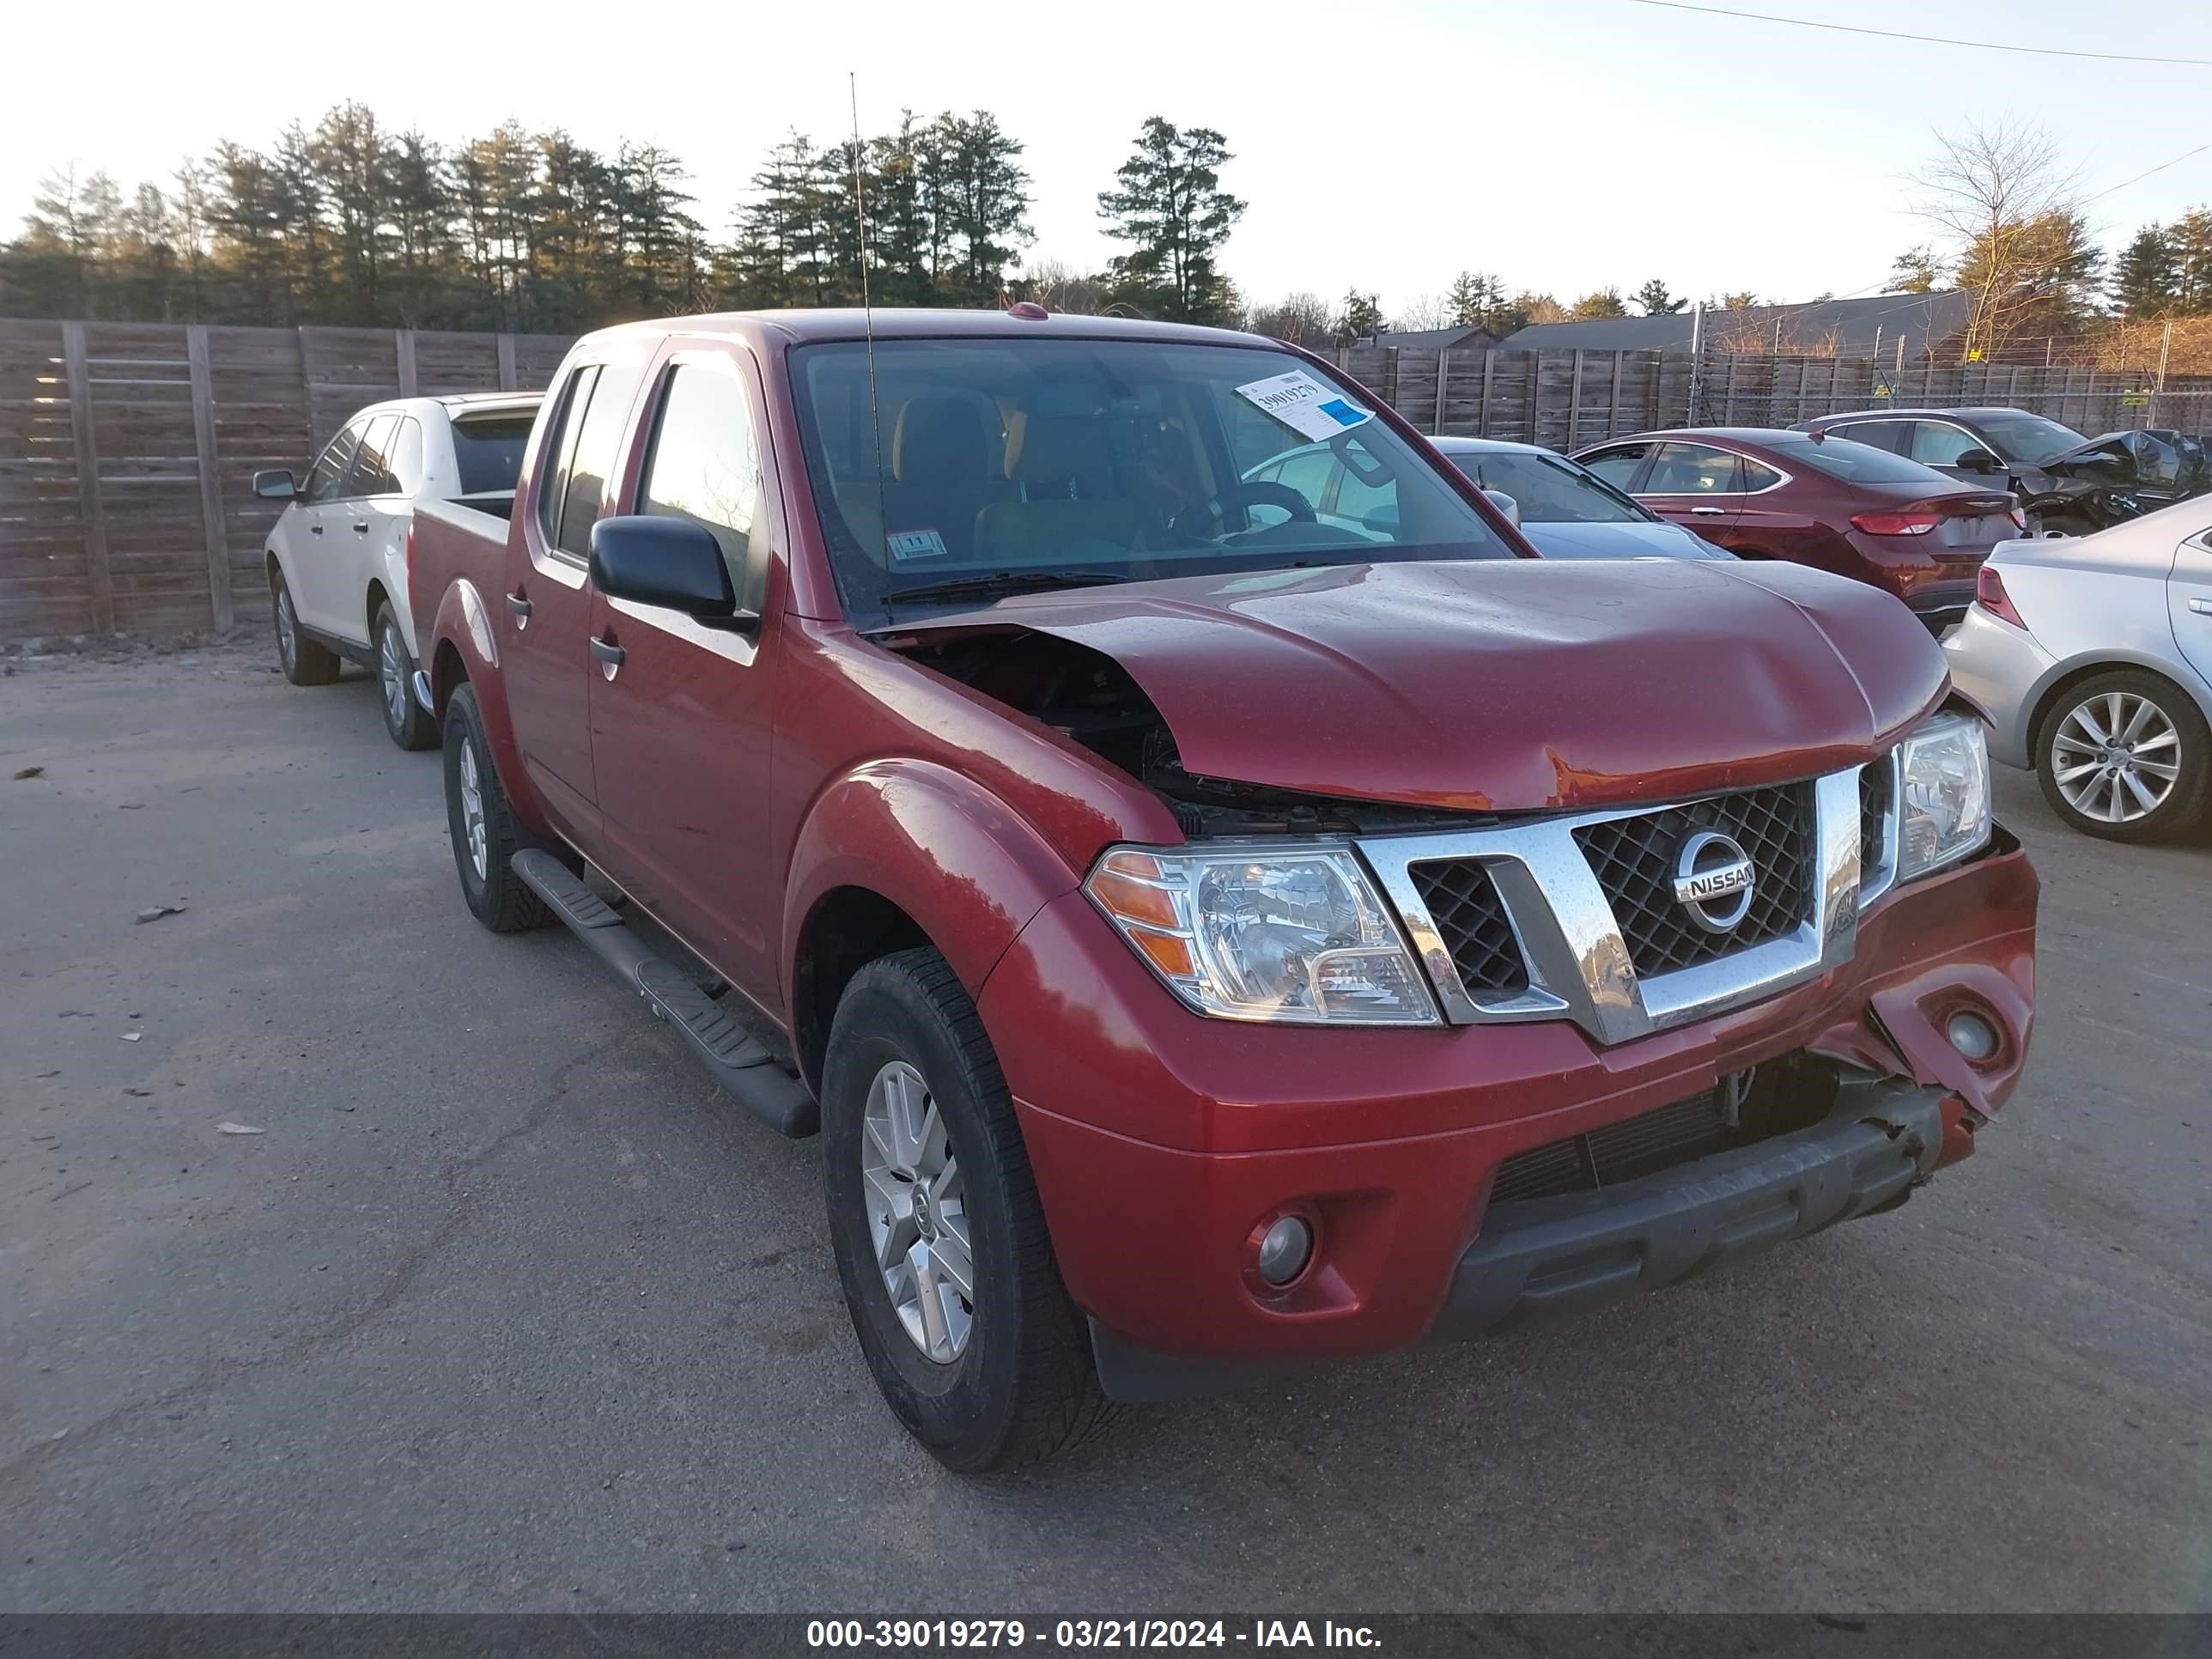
(472,811)
(918,1213)
(2116,757)
(287,641)
(393,672)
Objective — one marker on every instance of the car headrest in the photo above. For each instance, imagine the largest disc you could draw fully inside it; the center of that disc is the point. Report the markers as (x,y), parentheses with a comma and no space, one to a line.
(1051,447)
(939,440)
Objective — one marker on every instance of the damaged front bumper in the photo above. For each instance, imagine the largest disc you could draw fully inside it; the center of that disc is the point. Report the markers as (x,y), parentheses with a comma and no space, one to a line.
(1566,1254)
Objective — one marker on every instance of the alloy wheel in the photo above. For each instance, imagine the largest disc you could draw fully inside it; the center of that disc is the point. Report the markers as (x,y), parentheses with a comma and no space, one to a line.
(2116,757)
(287,641)
(472,811)
(917,1212)
(392,671)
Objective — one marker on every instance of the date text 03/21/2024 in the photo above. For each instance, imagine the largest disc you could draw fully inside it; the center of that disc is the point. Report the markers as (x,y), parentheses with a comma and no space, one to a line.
(1085,1633)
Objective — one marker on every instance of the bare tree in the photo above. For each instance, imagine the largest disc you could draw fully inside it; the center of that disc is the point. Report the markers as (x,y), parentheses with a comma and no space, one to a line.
(1302,318)
(1421,312)
(1997,194)
(1058,286)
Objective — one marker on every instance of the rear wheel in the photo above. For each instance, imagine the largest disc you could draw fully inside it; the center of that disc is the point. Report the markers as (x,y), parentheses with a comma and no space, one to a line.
(485,834)
(305,661)
(941,1244)
(2126,756)
(407,721)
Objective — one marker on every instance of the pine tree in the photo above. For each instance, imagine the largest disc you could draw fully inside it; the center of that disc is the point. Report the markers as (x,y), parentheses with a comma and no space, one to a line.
(1361,318)
(1654,301)
(2146,282)
(1171,207)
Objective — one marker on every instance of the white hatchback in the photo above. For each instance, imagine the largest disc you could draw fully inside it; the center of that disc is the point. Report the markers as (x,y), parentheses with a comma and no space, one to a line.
(337,553)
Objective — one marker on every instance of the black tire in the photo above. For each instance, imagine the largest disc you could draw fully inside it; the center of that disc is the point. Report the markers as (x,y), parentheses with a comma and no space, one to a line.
(406,720)
(1023,1387)
(2183,809)
(495,894)
(305,661)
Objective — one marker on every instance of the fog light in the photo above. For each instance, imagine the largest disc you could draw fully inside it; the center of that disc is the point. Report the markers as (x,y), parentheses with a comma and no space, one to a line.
(1285,1250)
(1972,1036)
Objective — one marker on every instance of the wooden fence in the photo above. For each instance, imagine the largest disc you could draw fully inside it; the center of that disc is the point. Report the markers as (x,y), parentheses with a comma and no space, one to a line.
(126,448)
(1565,399)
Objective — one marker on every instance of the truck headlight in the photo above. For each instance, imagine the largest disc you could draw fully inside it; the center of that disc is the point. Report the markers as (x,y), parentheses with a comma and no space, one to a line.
(1943,768)
(1295,935)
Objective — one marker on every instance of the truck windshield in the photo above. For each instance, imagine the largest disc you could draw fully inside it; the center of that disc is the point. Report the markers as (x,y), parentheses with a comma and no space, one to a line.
(974,465)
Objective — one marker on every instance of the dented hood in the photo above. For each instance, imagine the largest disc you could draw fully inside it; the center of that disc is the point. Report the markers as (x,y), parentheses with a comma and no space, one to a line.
(1511,685)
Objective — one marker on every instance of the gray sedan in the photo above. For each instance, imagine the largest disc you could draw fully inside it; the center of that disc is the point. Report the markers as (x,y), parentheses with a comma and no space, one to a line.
(2093,657)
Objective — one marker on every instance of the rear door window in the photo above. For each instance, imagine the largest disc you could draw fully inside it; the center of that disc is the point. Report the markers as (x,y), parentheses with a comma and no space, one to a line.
(1881,435)
(330,467)
(560,444)
(371,472)
(406,457)
(1618,466)
(1693,470)
(594,459)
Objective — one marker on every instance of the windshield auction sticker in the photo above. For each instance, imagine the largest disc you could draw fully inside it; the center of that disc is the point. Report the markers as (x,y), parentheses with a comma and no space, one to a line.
(1303,405)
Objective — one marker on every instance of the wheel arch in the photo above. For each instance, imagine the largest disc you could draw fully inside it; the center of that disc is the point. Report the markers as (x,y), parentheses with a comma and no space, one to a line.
(2066,676)
(902,853)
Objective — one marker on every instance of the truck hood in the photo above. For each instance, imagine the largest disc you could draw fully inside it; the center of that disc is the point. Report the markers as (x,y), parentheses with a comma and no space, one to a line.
(1508,685)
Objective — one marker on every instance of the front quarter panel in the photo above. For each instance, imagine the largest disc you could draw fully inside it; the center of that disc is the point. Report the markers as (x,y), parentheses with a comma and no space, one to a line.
(2115,615)
(967,868)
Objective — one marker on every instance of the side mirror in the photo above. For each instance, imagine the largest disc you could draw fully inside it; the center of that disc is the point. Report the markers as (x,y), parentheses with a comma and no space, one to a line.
(1505,504)
(1979,460)
(673,564)
(275,484)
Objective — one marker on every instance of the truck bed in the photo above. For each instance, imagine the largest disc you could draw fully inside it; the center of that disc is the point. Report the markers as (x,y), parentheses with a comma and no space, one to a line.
(454,541)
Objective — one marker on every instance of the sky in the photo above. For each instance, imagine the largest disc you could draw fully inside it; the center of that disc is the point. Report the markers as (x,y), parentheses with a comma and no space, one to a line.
(1387,145)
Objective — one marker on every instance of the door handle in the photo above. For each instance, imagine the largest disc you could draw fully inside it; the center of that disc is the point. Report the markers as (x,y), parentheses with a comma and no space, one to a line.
(361,527)
(609,654)
(1708,512)
(314,529)
(518,607)
(2201,607)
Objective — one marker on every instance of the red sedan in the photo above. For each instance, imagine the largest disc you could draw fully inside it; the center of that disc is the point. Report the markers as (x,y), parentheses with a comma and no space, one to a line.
(1825,502)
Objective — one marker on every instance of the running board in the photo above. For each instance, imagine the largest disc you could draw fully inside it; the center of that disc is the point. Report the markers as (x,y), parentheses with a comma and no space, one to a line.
(745,1069)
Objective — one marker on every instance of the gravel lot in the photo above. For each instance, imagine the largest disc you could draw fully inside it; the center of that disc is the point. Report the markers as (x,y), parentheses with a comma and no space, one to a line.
(507,1310)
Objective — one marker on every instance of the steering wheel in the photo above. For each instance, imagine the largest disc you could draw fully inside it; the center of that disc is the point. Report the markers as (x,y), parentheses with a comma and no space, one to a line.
(1260,493)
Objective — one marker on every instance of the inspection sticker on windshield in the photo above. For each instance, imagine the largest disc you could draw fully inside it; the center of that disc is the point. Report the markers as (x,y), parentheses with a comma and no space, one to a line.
(1303,405)
(908,545)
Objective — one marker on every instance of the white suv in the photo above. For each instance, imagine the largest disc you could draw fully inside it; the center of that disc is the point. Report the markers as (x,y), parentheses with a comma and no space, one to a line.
(338,554)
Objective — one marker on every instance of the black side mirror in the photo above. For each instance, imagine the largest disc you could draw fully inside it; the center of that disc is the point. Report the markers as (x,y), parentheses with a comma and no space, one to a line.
(275,484)
(673,564)
(1979,460)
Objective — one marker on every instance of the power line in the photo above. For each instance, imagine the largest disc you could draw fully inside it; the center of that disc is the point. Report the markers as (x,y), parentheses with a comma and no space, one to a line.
(1928,40)
(2145,173)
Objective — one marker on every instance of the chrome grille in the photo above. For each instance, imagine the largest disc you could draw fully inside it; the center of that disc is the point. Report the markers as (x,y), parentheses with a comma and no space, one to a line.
(1471,920)
(1633,858)
(1583,949)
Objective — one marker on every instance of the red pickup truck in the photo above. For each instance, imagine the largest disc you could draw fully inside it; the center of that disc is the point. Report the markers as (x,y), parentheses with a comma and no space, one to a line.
(1208,936)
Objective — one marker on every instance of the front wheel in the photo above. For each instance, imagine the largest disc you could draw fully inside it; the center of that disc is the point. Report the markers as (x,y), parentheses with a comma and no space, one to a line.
(947,1267)
(407,722)
(2126,756)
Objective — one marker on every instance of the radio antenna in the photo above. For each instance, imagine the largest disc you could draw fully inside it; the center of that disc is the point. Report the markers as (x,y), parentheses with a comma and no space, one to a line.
(867,314)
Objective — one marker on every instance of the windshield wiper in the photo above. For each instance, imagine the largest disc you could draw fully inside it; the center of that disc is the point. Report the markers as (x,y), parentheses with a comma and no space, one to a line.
(998,582)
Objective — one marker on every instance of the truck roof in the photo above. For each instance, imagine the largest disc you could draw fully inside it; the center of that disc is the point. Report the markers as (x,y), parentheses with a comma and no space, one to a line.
(910,323)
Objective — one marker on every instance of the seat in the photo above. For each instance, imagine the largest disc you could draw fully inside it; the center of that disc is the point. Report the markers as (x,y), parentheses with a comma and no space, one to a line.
(941,476)
(1050,457)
